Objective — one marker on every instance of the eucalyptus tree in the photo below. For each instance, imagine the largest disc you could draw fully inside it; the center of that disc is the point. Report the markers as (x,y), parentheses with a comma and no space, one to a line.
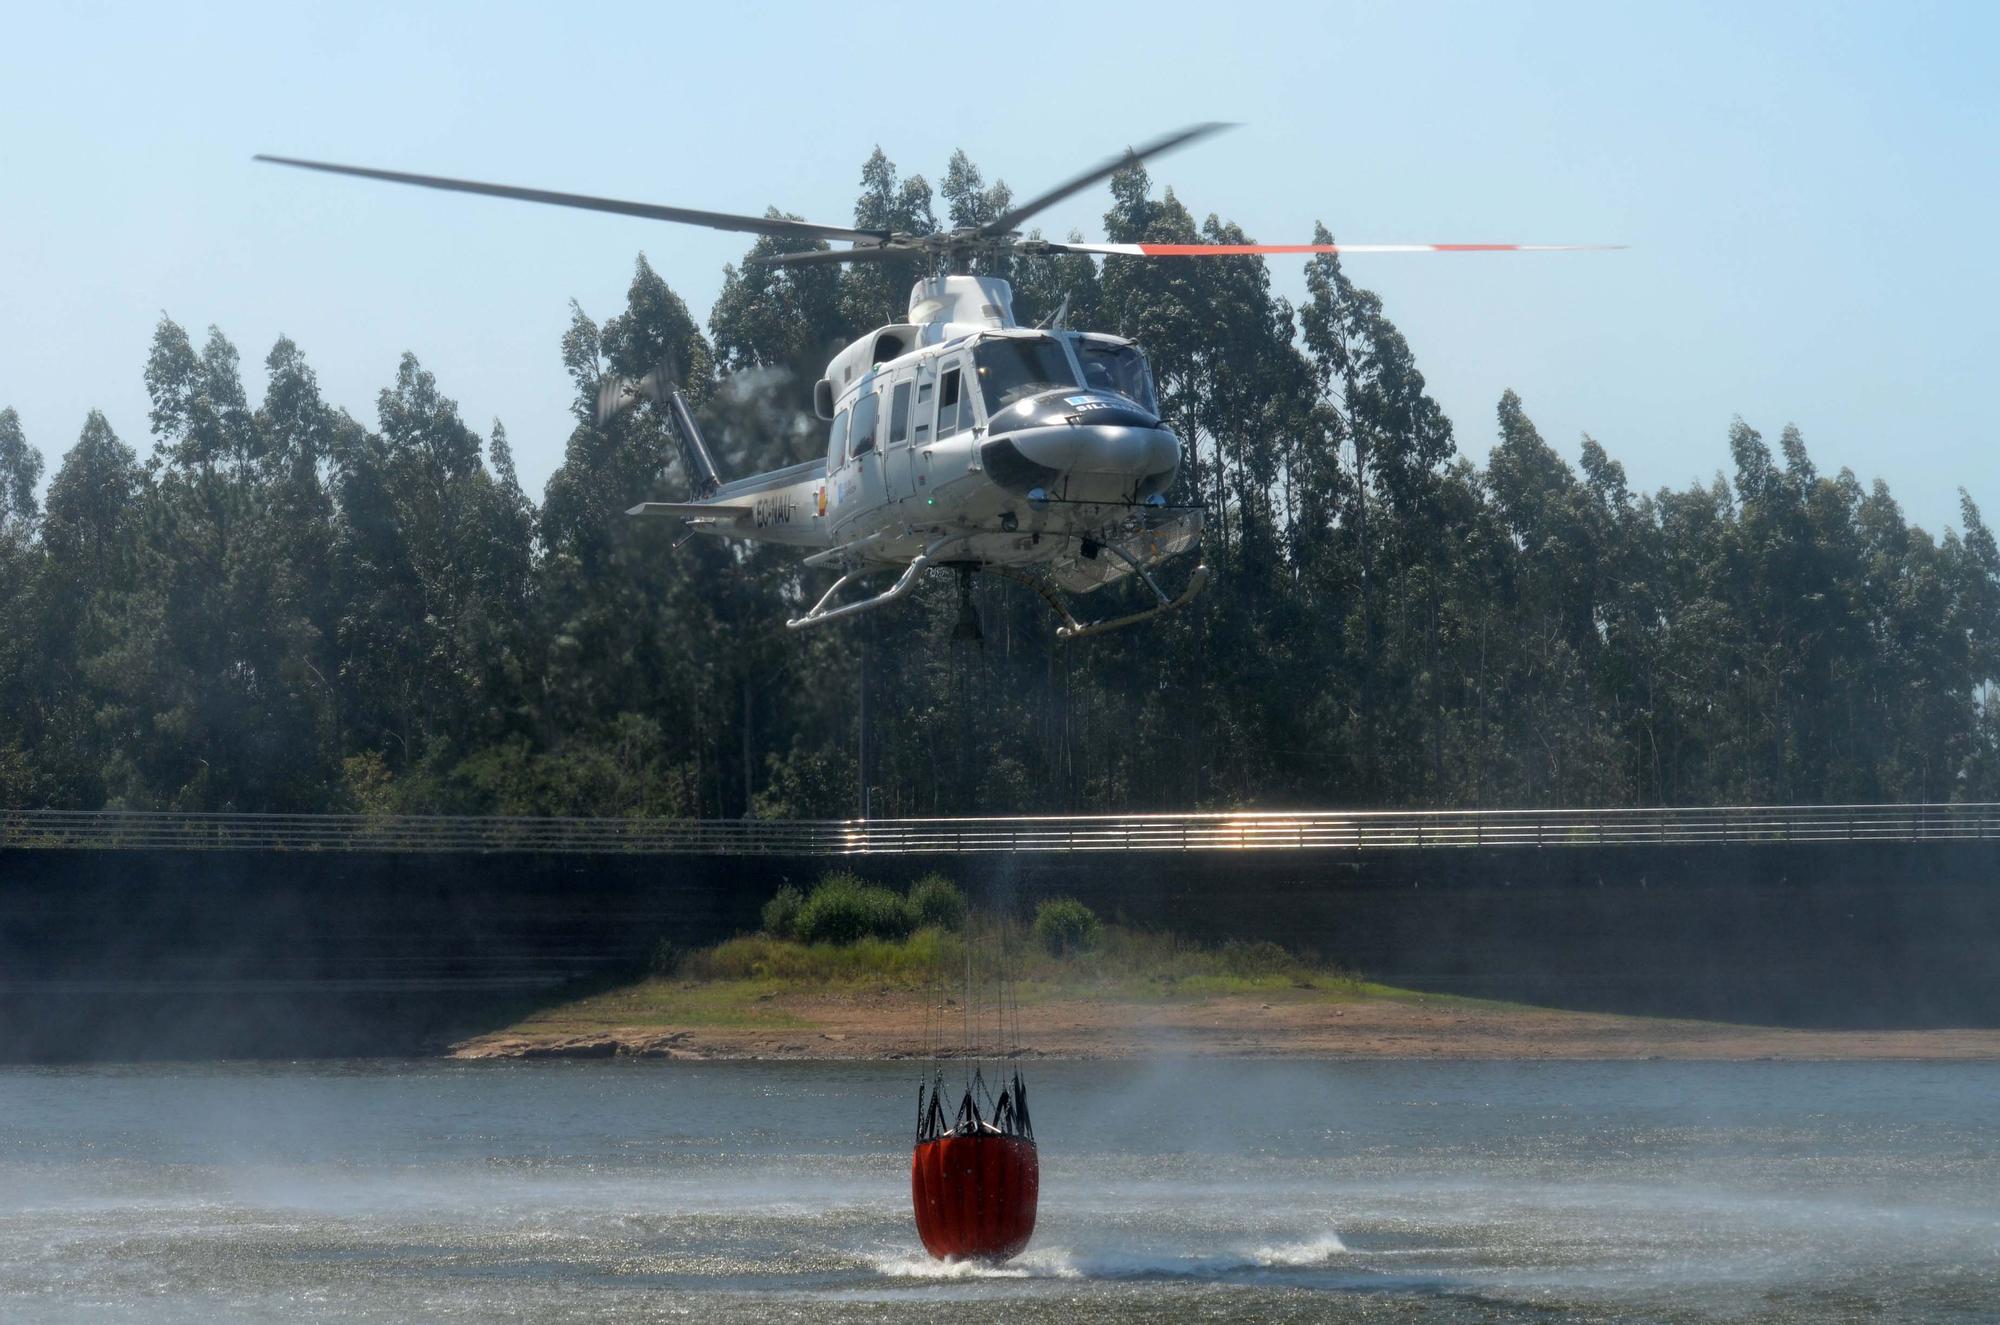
(20,473)
(430,573)
(1557,531)
(1397,443)
(20,669)
(874,292)
(780,325)
(631,624)
(91,549)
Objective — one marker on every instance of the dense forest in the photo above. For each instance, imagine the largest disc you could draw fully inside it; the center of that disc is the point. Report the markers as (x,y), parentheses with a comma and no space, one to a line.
(281,607)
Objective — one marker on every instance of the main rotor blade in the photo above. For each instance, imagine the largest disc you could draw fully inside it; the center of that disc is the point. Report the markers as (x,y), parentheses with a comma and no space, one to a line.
(814,257)
(1254,250)
(1012,220)
(758,225)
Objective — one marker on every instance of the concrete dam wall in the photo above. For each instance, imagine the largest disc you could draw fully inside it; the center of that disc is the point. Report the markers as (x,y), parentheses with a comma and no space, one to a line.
(162,952)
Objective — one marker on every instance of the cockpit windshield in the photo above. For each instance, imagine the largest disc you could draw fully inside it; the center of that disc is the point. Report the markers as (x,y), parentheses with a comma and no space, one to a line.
(1018,367)
(1120,368)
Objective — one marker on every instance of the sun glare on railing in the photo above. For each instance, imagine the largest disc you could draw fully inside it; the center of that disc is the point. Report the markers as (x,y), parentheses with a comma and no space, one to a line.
(1247,830)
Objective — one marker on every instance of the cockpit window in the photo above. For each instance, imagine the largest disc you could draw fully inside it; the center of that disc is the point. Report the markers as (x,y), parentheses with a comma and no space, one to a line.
(861,429)
(836,443)
(1018,367)
(1119,368)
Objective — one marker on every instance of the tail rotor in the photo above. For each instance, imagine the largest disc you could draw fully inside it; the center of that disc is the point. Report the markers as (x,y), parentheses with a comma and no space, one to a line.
(617,395)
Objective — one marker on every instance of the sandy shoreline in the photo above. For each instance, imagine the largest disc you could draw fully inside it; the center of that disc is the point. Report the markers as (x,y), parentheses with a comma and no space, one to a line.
(888,1025)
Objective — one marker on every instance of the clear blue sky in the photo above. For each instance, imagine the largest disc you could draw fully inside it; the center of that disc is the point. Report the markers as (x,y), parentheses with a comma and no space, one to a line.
(1809,190)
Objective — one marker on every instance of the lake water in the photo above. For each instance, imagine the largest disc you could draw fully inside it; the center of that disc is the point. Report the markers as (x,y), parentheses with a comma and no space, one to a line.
(1198,1191)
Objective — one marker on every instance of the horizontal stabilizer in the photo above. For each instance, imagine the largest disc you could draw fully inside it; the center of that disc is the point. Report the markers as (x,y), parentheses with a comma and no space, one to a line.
(717,512)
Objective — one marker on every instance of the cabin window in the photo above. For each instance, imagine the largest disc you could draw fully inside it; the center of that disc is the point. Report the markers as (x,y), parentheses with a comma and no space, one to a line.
(899,414)
(1119,368)
(836,442)
(947,423)
(867,411)
(1018,367)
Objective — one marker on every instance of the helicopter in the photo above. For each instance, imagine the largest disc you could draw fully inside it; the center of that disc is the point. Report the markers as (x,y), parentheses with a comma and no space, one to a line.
(957,438)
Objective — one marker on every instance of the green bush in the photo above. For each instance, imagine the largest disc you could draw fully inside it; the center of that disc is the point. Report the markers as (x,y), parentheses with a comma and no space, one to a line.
(1241,957)
(936,900)
(909,963)
(843,908)
(781,913)
(1064,925)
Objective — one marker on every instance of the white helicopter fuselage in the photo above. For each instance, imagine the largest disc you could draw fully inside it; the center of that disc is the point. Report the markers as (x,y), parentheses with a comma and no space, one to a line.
(962,438)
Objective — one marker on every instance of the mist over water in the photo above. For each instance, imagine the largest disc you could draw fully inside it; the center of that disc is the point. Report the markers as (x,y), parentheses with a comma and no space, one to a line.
(1205,1190)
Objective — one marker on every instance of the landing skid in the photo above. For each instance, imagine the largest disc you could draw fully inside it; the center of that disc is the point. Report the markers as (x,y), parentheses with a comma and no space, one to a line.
(1071,628)
(822,613)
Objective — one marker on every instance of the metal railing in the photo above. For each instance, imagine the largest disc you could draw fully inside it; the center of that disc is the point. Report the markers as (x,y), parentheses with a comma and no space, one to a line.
(1306,830)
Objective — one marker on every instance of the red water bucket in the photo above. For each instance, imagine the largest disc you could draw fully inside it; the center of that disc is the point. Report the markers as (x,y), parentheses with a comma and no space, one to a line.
(975,1195)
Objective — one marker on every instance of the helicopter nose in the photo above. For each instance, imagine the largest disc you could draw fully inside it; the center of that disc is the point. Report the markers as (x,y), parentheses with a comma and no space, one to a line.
(1085,446)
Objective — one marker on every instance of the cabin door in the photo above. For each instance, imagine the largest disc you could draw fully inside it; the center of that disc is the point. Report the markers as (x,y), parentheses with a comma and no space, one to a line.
(861,487)
(898,451)
(939,415)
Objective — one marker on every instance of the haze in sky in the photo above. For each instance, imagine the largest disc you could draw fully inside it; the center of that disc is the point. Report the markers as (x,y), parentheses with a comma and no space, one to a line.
(1809,192)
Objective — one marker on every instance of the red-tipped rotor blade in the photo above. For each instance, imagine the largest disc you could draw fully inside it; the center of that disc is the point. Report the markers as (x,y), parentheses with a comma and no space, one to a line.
(1257,250)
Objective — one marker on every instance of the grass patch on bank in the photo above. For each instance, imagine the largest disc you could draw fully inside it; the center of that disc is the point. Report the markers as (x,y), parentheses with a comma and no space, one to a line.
(742,984)
(716,1005)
